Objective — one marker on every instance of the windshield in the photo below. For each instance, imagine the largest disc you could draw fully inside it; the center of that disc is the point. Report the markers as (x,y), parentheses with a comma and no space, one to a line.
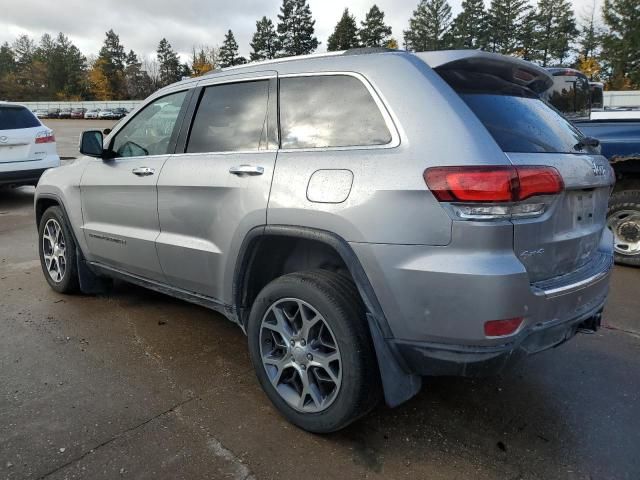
(16,117)
(526,124)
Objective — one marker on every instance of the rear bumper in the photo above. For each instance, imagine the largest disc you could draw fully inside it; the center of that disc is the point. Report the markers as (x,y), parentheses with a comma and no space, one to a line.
(26,173)
(436,301)
(433,359)
(21,177)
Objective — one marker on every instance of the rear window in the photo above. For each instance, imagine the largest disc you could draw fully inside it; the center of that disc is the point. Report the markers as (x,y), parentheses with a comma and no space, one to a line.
(329,111)
(525,124)
(17,117)
(231,118)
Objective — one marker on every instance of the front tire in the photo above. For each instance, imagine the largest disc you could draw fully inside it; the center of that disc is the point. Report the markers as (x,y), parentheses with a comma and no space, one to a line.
(623,219)
(57,251)
(312,352)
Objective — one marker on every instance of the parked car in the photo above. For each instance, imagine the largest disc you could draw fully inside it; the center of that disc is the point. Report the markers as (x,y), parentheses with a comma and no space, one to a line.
(53,113)
(27,147)
(617,133)
(93,113)
(119,113)
(64,113)
(428,214)
(106,114)
(41,113)
(78,113)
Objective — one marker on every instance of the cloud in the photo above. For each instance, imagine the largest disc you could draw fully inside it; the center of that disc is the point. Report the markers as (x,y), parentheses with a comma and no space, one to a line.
(185,23)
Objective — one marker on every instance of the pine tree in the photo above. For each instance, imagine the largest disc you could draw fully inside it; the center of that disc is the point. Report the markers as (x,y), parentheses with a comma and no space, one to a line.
(589,45)
(137,81)
(229,51)
(168,63)
(374,32)
(345,35)
(7,59)
(296,28)
(265,41)
(470,27)
(555,28)
(428,25)
(622,43)
(112,56)
(507,20)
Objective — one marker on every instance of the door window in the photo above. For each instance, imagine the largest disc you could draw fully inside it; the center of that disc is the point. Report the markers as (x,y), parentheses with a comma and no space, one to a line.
(151,130)
(329,111)
(233,117)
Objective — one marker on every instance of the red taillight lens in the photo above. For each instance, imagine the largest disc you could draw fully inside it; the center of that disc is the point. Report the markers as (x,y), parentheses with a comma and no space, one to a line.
(500,328)
(538,181)
(471,184)
(45,137)
(492,184)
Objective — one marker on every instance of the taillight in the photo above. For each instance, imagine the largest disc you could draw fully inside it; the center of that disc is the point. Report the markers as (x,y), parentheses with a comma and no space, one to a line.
(489,192)
(500,328)
(45,137)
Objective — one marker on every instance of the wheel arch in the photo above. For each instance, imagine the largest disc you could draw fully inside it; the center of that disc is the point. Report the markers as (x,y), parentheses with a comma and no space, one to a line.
(398,384)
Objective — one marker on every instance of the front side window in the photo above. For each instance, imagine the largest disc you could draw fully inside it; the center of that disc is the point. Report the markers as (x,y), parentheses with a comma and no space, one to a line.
(233,117)
(150,131)
(329,111)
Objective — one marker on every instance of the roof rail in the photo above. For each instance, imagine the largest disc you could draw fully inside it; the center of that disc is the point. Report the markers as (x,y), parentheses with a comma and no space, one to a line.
(369,50)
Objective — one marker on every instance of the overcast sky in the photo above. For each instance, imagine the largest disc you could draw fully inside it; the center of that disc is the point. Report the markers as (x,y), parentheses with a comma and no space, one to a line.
(185,23)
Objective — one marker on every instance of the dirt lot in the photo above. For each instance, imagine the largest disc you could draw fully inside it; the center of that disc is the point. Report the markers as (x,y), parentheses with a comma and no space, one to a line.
(135,384)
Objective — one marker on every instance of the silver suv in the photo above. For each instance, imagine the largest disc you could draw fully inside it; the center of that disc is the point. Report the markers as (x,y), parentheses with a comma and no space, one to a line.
(366,217)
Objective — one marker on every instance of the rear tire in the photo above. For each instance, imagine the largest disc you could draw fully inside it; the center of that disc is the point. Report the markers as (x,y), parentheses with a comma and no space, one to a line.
(623,219)
(337,397)
(57,251)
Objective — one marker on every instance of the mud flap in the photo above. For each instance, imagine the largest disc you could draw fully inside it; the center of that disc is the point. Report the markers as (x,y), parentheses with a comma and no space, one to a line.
(398,385)
(90,283)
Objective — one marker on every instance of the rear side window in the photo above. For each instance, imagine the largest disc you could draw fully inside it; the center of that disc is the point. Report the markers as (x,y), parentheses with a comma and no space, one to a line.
(17,117)
(329,111)
(525,124)
(232,117)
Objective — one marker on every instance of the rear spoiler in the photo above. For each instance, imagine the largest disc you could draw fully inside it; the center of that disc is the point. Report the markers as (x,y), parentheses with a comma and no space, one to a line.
(509,69)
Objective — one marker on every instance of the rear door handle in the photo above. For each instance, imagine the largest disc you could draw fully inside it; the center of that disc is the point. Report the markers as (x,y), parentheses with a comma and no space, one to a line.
(143,171)
(242,170)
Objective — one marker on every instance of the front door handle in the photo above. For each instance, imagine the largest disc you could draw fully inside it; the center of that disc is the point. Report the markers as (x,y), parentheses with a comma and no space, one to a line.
(242,170)
(143,171)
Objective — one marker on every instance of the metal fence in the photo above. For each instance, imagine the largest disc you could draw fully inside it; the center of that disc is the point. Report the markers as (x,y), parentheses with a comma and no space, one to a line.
(128,104)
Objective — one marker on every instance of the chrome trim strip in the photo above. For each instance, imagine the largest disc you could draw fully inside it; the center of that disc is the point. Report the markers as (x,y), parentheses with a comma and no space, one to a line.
(579,285)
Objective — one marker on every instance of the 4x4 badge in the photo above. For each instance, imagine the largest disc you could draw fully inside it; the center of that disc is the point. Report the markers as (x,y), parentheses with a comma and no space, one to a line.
(598,169)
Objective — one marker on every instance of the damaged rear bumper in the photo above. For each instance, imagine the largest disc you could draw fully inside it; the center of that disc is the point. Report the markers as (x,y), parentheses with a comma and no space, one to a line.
(427,359)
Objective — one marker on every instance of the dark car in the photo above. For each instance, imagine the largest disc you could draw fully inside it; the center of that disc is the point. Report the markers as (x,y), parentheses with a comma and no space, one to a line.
(53,113)
(78,113)
(65,113)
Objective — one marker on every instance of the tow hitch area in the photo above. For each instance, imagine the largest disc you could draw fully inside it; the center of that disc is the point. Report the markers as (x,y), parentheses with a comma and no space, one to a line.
(592,324)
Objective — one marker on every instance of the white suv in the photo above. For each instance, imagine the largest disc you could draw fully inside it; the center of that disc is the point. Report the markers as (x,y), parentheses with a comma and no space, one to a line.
(27,147)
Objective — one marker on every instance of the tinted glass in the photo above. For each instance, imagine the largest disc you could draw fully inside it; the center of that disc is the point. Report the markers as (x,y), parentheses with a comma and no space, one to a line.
(525,124)
(231,118)
(17,117)
(329,111)
(150,131)
(571,95)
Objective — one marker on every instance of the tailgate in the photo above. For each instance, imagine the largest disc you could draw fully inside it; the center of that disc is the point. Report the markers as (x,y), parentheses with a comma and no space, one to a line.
(567,236)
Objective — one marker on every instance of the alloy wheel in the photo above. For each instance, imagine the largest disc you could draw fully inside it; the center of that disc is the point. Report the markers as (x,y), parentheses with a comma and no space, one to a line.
(300,355)
(54,250)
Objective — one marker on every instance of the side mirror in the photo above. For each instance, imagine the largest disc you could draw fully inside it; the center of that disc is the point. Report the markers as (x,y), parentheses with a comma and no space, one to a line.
(91,143)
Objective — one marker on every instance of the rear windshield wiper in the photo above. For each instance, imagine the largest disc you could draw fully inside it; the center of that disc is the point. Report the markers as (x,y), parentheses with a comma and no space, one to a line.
(586,142)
